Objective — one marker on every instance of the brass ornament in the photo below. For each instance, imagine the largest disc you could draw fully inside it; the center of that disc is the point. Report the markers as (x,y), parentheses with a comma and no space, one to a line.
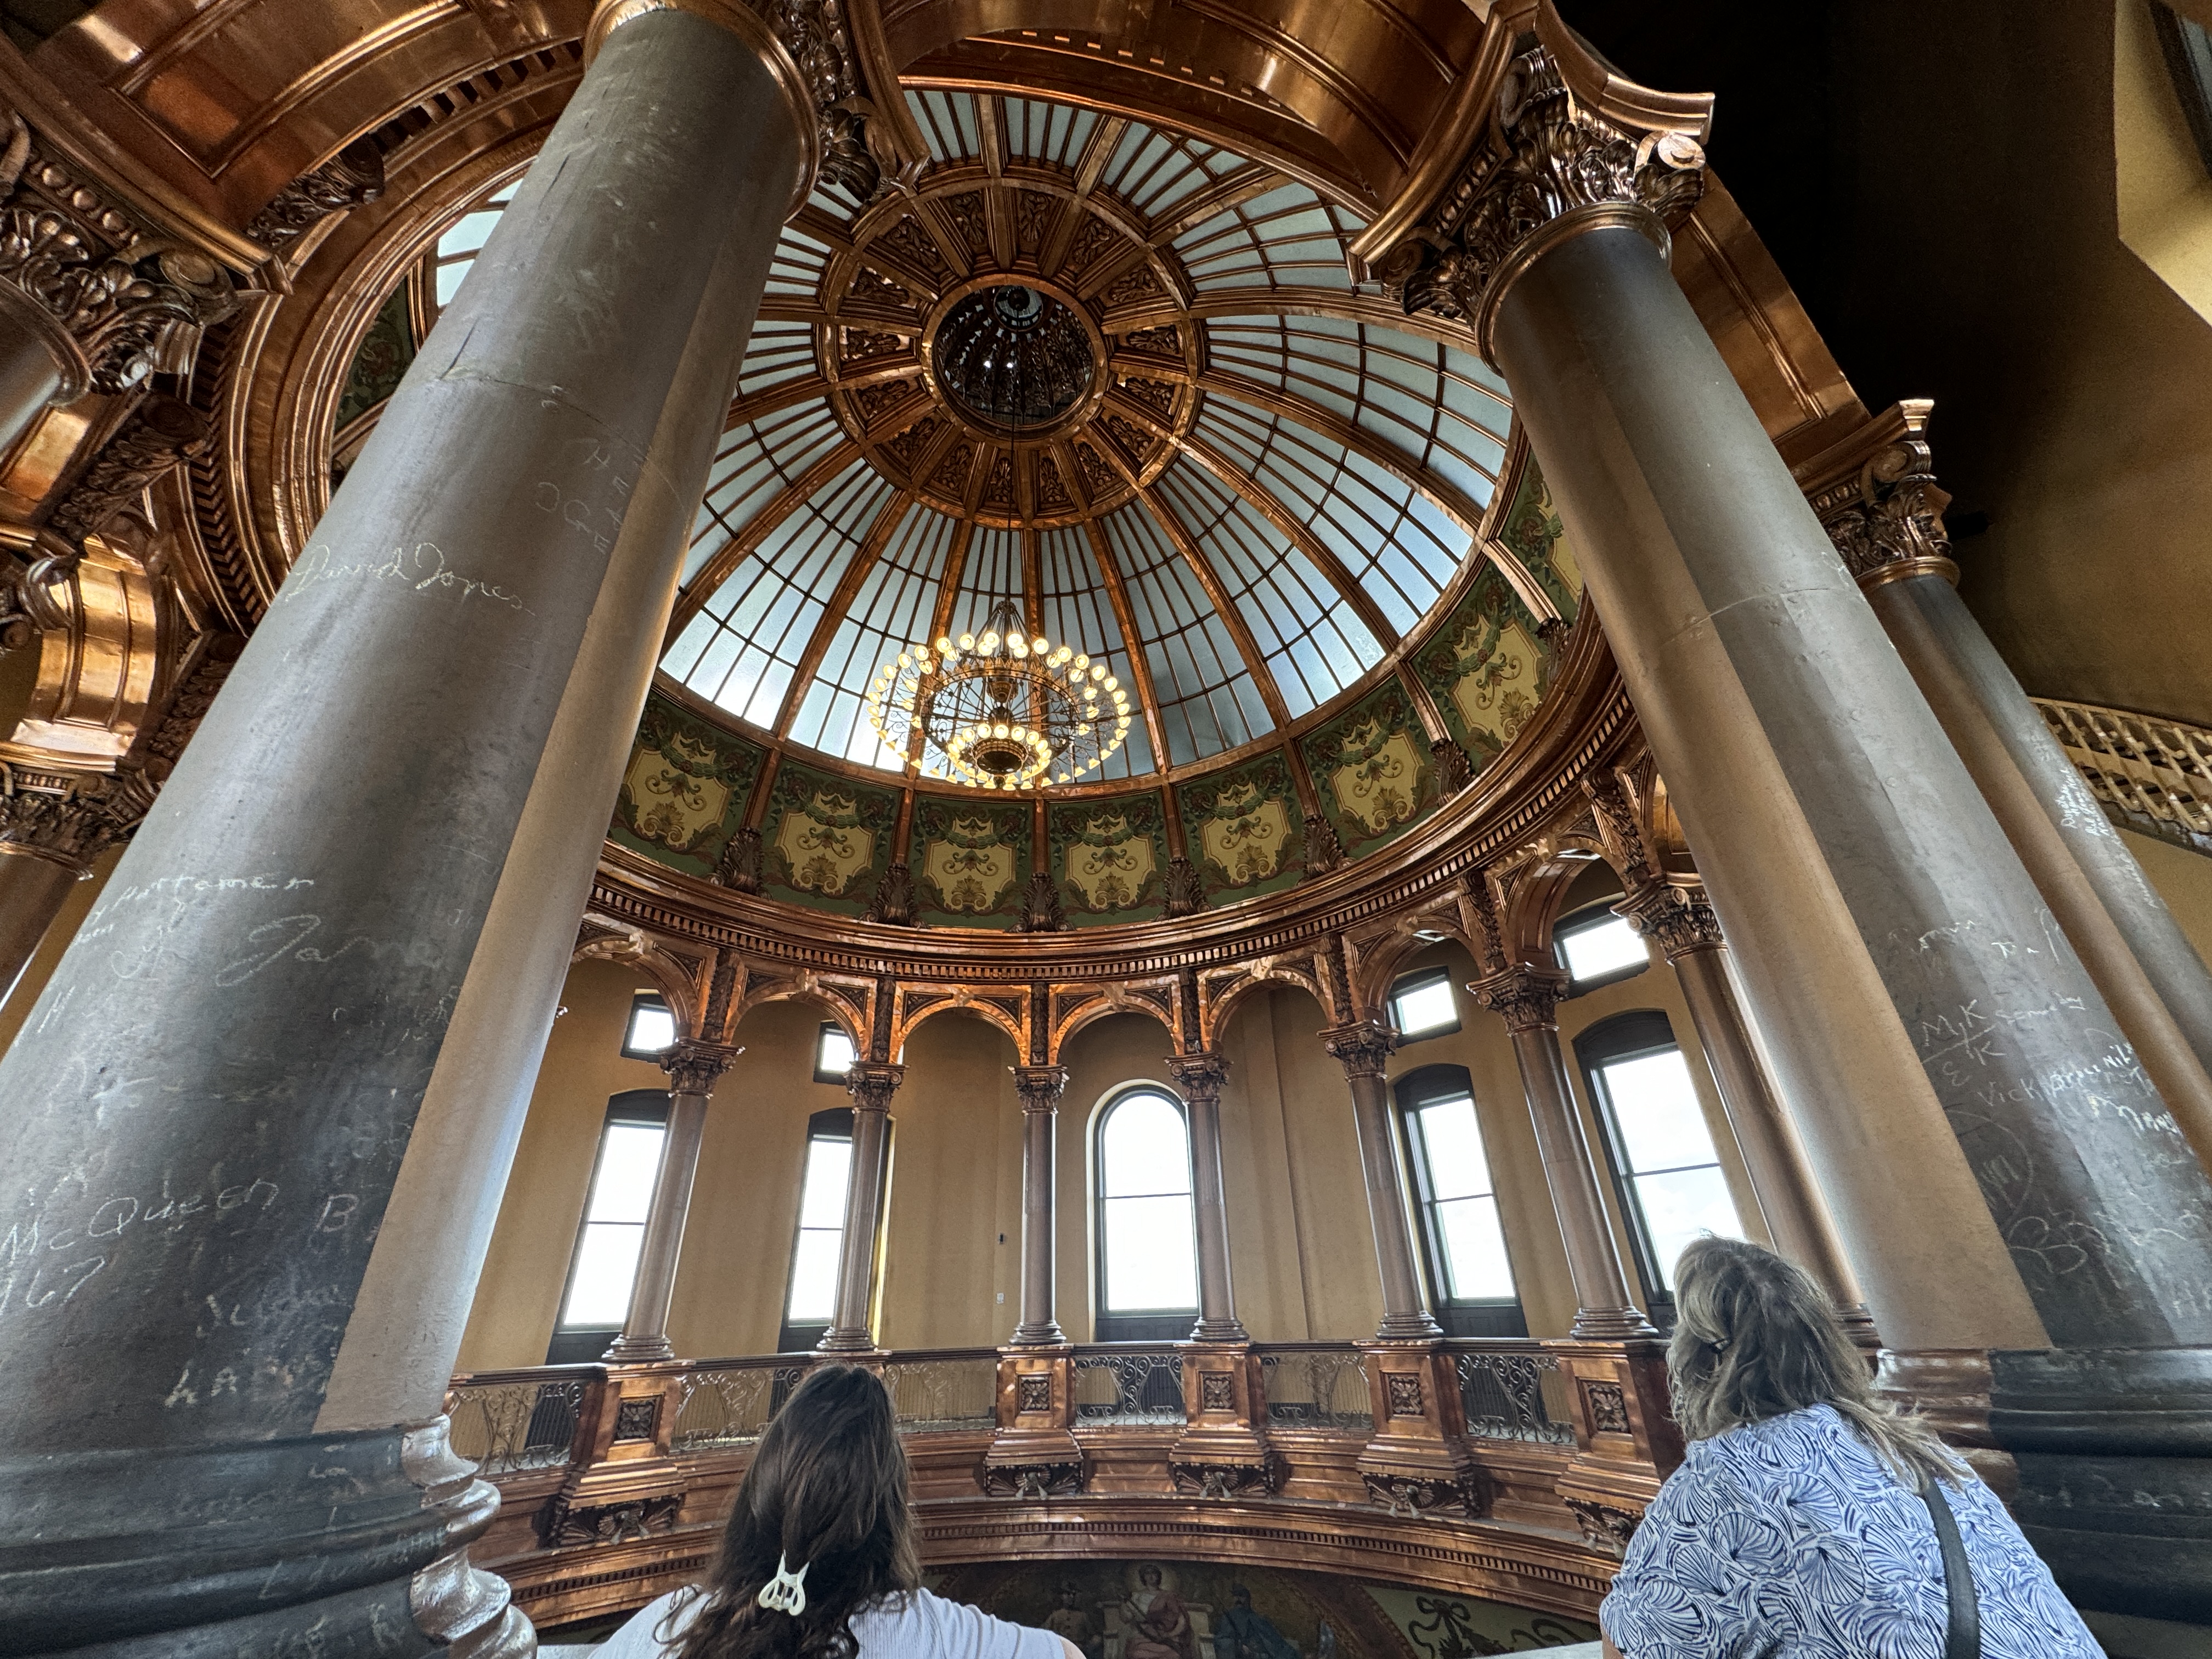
(1544,157)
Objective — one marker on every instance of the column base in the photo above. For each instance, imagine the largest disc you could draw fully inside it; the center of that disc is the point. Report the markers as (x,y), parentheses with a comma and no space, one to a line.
(1857,1321)
(345,1543)
(639,1351)
(1415,1326)
(1047,1335)
(846,1343)
(2114,1449)
(1611,1325)
(1229,1330)
(1627,1440)
(1223,1452)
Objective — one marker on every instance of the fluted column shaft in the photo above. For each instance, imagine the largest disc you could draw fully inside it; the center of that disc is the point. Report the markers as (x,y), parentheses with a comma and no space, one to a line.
(2141,961)
(1200,1076)
(1683,926)
(1039,1088)
(1527,999)
(872,1085)
(1364,1046)
(693,1069)
(270,1098)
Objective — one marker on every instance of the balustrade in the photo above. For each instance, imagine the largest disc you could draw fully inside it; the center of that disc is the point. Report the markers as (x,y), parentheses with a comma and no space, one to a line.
(614,1478)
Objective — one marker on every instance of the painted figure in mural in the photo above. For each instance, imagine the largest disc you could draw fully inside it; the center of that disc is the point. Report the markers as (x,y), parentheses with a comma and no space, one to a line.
(1242,1633)
(1073,1624)
(1161,1622)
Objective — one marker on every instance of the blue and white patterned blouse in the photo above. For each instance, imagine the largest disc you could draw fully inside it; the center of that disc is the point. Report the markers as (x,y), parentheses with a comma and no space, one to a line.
(1789,1539)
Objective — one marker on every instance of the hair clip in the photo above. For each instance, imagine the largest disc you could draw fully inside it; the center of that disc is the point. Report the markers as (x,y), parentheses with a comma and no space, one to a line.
(786,1591)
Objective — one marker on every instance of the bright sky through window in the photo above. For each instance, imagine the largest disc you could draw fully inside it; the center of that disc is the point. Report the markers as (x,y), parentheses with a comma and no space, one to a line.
(1671,1165)
(1602,948)
(821,1229)
(1144,1212)
(1462,1205)
(834,1056)
(1423,1005)
(614,1227)
(652,1027)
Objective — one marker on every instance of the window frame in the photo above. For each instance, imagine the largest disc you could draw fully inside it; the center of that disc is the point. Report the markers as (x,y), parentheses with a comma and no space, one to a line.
(822,1075)
(1636,1034)
(643,1000)
(797,1336)
(2187,48)
(1111,1324)
(631,1106)
(1465,1317)
(1421,979)
(1590,916)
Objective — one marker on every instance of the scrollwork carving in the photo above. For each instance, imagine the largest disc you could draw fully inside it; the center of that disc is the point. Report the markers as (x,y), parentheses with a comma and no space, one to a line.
(162,432)
(1525,997)
(1891,524)
(1364,1047)
(1545,154)
(66,819)
(1041,909)
(1185,888)
(1677,918)
(350,178)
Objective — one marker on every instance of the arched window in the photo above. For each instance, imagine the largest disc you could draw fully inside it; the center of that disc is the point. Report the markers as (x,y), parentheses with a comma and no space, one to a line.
(1147,1250)
(1661,1151)
(1462,1240)
(603,1266)
(810,1302)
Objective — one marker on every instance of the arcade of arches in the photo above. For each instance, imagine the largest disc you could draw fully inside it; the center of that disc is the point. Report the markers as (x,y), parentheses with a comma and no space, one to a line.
(1487,757)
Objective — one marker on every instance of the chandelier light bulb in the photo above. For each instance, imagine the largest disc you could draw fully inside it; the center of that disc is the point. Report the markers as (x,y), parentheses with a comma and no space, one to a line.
(967,642)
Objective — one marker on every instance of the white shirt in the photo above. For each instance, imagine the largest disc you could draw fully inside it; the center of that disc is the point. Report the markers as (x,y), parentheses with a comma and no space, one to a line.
(918,1626)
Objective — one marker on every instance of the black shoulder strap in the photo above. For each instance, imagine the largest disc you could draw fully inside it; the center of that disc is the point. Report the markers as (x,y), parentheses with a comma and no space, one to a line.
(1962,1639)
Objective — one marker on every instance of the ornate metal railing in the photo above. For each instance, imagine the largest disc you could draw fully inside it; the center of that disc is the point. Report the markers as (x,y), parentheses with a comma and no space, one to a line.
(1316,1385)
(945,1389)
(722,1403)
(509,1422)
(2149,773)
(1503,1385)
(1117,1385)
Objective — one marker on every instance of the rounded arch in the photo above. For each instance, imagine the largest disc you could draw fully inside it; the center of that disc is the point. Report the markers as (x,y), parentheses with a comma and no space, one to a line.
(961,1002)
(1260,976)
(1142,1194)
(1381,959)
(838,1014)
(673,979)
(1113,1000)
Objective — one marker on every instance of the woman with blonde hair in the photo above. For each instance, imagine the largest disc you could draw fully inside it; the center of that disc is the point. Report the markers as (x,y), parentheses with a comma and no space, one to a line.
(817,1561)
(1811,1520)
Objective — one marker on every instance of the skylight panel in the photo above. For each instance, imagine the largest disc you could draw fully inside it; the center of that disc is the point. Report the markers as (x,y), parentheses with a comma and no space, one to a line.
(1152,171)
(1286,236)
(796,266)
(779,351)
(1078,611)
(759,461)
(949,124)
(760,618)
(993,572)
(1053,133)
(1207,699)
(1314,644)
(891,611)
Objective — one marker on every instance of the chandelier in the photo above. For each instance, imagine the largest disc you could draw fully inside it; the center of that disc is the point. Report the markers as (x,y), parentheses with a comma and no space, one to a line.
(1004,709)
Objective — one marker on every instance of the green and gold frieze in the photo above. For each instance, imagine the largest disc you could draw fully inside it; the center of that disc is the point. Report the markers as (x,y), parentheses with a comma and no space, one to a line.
(1244,827)
(683,792)
(827,839)
(1486,668)
(1109,857)
(971,860)
(1372,769)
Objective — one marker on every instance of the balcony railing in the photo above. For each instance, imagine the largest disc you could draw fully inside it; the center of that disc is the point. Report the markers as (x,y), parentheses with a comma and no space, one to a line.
(2151,775)
(615,1479)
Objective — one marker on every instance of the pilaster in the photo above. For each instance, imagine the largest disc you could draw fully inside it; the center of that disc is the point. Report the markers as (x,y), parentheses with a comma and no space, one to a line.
(1417,1460)
(1034,1454)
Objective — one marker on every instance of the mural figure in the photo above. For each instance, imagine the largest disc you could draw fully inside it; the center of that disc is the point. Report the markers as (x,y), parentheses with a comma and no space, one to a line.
(1244,1633)
(1160,1623)
(1072,1624)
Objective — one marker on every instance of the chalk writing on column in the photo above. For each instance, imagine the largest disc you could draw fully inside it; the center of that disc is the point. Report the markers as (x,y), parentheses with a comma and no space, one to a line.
(44,1263)
(422,568)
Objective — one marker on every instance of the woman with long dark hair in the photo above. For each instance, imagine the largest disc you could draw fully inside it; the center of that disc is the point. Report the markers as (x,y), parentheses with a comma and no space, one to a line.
(818,1559)
(1811,1519)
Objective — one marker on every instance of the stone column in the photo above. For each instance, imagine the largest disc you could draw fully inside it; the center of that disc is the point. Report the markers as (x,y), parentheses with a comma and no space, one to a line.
(2000,1169)
(1039,1088)
(1200,1076)
(871,1083)
(1364,1046)
(1528,998)
(1891,535)
(1682,924)
(693,1069)
(261,1119)
(49,838)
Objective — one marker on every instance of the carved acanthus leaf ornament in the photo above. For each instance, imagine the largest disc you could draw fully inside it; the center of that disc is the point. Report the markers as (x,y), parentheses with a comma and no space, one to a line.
(1677,918)
(1891,524)
(1545,154)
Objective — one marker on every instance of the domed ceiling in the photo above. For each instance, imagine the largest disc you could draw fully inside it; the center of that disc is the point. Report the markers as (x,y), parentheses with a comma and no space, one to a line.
(1121,378)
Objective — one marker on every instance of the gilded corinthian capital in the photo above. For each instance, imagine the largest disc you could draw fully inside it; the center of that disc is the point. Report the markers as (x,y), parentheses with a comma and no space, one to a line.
(1556,141)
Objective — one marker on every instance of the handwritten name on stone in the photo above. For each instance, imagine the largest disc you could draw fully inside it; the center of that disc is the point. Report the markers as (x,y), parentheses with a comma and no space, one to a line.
(26,1248)
(422,567)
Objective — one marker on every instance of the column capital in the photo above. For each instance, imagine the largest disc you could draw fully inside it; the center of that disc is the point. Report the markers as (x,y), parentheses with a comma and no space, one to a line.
(1200,1074)
(871,1083)
(1364,1045)
(68,818)
(693,1067)
(808,48)
(1525,995)
(1569,148)
(1876,496)
(1040,1086)
(1680,920)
